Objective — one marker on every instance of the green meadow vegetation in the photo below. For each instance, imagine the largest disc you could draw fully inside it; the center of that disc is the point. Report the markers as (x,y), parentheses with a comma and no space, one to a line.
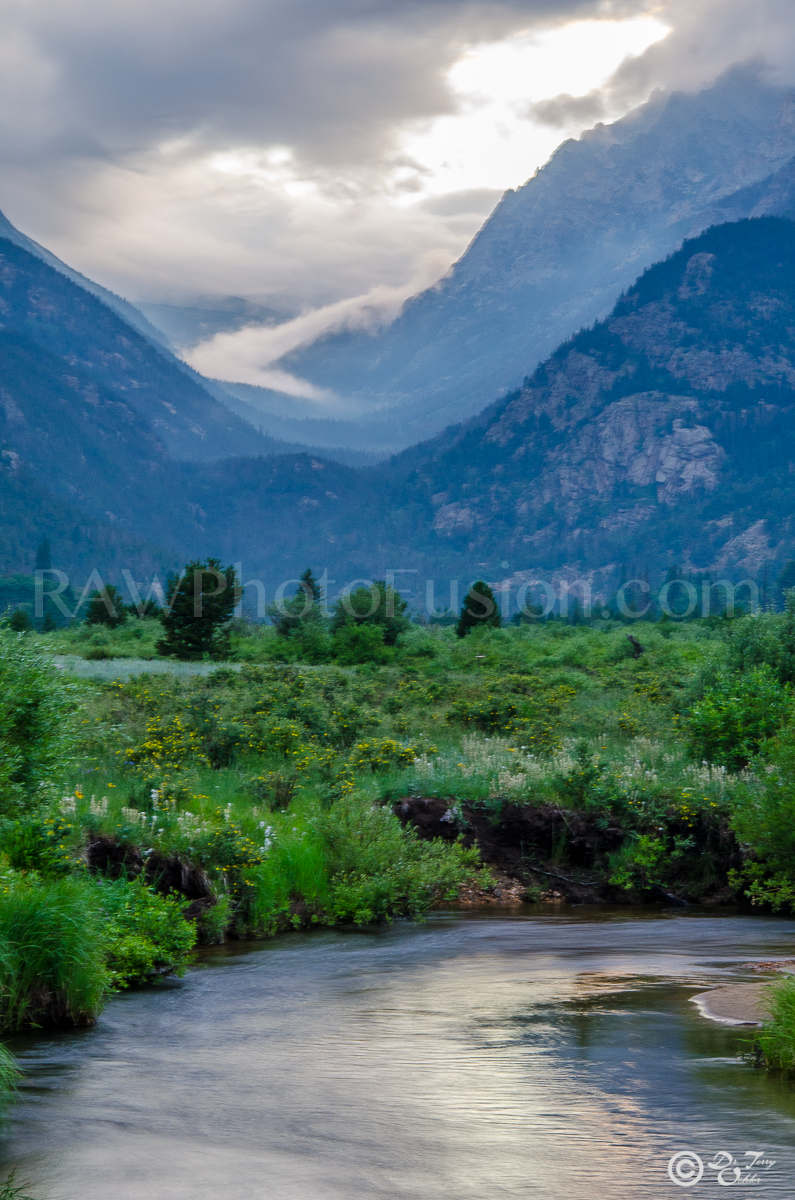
(145,814)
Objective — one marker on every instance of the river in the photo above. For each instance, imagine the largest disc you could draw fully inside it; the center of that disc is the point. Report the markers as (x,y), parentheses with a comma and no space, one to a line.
(480,1056)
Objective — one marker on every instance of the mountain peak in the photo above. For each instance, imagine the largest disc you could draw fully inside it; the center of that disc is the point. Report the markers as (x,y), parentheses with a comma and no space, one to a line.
(556,252)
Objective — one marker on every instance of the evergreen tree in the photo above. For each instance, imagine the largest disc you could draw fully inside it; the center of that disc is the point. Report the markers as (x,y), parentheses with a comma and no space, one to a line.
(198,617)
(106,607)
(480,610)
(20,621)
(378,605)
(302,609)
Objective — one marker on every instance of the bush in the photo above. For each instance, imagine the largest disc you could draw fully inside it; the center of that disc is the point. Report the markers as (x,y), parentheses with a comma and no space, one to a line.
(35,726)
(353,644)
(52,964)
(479,610)
(764,817)
(145,935)
(765,639)
(290,887)
(735,716)
(379,870)
(377,606)
(37,842)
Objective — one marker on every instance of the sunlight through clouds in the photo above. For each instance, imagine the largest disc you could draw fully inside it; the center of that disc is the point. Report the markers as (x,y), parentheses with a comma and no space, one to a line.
(493,136)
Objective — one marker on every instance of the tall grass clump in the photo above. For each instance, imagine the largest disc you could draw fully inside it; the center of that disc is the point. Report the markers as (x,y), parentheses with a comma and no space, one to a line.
(9,1073)
(353,863)
(52,959)
(776,1039)
(36,705)
(10,1190)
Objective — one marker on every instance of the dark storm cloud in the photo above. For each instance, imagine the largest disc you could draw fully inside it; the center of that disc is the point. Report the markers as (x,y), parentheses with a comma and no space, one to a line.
(561,110)
(111,110)
(708,37)
(329,77)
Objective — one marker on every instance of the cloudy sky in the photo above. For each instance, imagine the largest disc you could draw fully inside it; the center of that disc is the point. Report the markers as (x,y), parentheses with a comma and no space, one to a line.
(312,153)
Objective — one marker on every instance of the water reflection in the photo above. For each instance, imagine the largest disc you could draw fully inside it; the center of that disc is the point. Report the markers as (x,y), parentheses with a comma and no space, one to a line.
(550,1056)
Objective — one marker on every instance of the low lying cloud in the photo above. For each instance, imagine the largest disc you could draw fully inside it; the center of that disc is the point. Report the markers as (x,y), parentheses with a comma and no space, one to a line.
(248,354)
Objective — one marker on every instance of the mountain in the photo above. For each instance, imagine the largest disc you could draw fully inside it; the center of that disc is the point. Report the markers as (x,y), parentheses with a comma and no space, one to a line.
(664,434)
(42,308)
(128,312)
(556,253)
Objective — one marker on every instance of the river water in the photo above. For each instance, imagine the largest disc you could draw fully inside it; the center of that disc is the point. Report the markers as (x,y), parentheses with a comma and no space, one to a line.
(550,1055)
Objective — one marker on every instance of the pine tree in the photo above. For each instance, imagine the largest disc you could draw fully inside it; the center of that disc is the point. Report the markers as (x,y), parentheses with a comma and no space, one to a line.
(106,607)
(480,610)
(302,609)
(198,615)
(20,621)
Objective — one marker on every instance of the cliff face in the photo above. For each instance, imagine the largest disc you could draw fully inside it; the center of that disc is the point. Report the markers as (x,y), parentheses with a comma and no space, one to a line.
(666,430)
(555,254)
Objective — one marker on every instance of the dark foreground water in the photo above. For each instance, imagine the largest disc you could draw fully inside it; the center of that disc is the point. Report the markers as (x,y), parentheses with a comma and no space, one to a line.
(471,1058)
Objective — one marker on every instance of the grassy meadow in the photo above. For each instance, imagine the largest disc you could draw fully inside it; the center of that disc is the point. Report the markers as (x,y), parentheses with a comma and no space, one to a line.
(149,807)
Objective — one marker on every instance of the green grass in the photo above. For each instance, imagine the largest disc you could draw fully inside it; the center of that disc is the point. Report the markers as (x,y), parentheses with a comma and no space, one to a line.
(776,1040)
(276,778)
(9,1073)
(52,966)
(10,1190)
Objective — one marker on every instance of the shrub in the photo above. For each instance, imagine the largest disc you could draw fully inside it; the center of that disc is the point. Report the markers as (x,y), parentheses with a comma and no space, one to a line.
(52,965)
(304,609)
(353,644)
(290,887)
(735,716)
(379,870)
(764,816)
(145,934)
(765,639)
(37,842)
(19,621)
(378,606)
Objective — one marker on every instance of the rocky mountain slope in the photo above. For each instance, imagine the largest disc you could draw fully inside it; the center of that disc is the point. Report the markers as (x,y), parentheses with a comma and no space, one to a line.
(40,306)
(665,433)
(98,428)
(128,312)
(556,253)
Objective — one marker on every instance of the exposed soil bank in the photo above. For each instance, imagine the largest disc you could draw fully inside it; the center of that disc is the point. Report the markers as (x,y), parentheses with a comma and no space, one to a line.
(561,854)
